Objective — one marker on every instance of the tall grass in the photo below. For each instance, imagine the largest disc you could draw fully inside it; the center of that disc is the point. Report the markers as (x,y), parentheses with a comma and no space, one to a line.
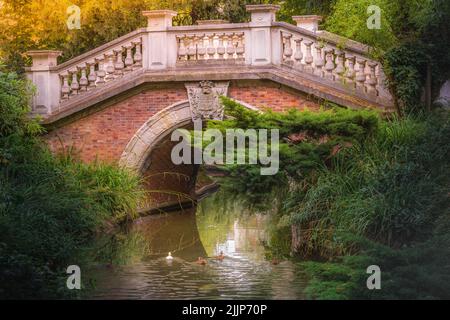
(50,207)
(390,189)
(384,202)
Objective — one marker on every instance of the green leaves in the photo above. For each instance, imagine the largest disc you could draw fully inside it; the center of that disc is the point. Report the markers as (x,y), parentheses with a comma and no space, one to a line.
(49,207)
(308,140)
(15,95)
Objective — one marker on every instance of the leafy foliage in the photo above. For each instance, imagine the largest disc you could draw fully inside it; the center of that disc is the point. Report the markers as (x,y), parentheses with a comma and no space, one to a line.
(291,8)
(15,95)
(384,204)
(390,190)
(413,35)
(49,207)
(308,140)
(349,19)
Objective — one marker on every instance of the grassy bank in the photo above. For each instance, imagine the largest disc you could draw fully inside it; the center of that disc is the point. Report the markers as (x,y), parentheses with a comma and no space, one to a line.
(50,207)
(382,203)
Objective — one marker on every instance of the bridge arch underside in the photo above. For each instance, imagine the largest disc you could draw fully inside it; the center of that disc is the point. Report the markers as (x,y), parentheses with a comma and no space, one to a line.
(134,130)
(149,154)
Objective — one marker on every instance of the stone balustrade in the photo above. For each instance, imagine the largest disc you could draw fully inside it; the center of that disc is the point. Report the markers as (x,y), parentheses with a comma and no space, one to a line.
(95,71)
(301,50)
(211,46)
(350,68)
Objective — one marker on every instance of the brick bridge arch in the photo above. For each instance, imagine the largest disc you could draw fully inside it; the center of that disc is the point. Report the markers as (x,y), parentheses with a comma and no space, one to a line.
(138,150)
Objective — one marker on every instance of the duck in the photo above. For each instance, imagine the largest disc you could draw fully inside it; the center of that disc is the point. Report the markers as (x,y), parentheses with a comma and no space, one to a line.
(220,256)
(201,261)
(169,257)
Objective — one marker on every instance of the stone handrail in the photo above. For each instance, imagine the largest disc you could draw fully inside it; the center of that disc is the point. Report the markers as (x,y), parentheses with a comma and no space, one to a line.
(302,50)
(321,56)
(98,68)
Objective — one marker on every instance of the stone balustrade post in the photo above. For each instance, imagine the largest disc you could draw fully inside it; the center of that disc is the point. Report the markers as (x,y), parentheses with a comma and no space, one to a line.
(160,48)
(265,45)
(310,22)
(48,84)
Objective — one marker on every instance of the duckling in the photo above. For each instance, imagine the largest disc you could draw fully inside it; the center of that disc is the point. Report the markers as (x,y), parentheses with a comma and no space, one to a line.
(275,261)
(169,257)
(220,256)
(201,261)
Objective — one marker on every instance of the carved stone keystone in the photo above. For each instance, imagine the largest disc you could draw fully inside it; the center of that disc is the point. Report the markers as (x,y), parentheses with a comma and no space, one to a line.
(204,99)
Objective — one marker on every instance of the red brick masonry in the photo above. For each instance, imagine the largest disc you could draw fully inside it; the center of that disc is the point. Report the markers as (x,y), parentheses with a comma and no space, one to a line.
(105,134)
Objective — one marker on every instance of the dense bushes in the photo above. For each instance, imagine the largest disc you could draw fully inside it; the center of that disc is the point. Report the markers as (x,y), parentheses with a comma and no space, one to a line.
(49,207)
(383,203)
(390,188)
(307,140)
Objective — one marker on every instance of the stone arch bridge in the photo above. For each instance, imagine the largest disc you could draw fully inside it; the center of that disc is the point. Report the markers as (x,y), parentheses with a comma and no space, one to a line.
(120,101)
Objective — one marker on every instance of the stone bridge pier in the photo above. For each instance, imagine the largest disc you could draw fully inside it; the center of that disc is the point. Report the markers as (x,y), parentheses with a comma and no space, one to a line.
(120,102)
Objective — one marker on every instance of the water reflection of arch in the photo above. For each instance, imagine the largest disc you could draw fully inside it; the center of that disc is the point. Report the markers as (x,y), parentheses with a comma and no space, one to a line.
(175,232)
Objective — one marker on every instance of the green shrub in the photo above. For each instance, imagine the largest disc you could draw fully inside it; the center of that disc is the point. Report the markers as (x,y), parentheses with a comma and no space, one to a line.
(50,207)
(308,140)
(390,189)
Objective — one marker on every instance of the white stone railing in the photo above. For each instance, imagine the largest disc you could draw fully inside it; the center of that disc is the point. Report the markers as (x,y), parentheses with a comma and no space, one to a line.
(99,68)
(211,46)
(313,54)
(262,42)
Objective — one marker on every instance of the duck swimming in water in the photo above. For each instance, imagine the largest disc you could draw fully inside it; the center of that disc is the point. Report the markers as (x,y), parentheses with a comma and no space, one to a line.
(220,256)
(169,257)
(201,261)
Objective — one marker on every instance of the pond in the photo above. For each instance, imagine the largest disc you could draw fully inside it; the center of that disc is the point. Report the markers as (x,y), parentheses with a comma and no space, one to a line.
(132,264)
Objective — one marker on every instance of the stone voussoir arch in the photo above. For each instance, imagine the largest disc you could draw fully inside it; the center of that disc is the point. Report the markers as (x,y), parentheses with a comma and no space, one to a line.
(138,150)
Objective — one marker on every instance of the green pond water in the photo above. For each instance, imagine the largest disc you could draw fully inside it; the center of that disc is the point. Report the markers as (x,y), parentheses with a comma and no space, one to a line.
(132,264)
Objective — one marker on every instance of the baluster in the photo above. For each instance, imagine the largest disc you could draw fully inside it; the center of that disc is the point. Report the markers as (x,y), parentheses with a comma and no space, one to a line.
(350,74)
(381,87)
(378,75)
(340,65)
(372,79)
(182,51)
(65,88)
(101,73)
(329,65)
(211,49)
(83,79)
(191,51)
(221,48)
(309,58)
(201,49)
(240,50)
(119,65)
(231,49)
(298,56)
(360,74)
(287,48)
(92,74)
(319,61)
(367,70)
(129,58)
(137,54)
(74,86)
(109,67)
